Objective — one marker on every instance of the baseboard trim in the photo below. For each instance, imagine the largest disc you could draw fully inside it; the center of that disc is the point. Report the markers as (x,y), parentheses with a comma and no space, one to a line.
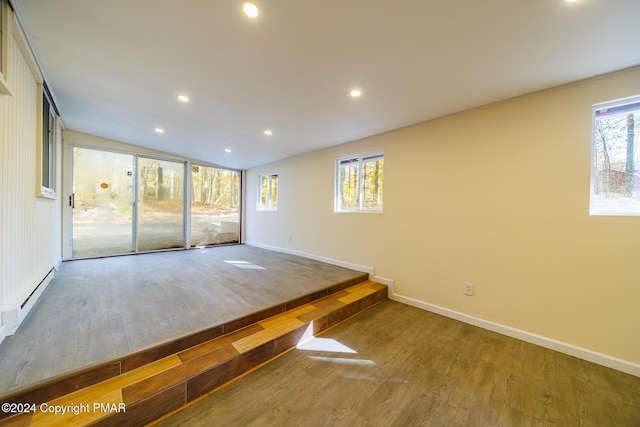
(332,261)
(562,347)
(390,283)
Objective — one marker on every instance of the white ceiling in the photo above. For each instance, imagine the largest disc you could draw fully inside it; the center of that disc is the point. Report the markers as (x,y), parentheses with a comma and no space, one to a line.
(115,67)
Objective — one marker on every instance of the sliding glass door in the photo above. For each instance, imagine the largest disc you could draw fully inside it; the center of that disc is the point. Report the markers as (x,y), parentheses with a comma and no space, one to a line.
(128,203)
(160,204)
(102,203)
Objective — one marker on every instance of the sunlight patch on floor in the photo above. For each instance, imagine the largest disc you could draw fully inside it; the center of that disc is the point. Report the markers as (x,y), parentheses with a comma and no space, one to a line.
(244,264)
(325,344)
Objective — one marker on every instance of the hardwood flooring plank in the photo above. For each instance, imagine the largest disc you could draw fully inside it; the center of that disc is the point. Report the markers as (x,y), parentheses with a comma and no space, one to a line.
(276,329)
(17,420)
(306,299)
(147,410)
(291,314)
(85,415)
(225,372)
(50,389)
(164,349)
(250,319)
(360,291)
(324,306)
(292,338)
(180,373)
(218,343)
(96,392)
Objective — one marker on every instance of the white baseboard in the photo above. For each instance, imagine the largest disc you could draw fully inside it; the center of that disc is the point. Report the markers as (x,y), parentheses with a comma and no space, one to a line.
(3,333)
(339,263)
(391,284)
(562,347)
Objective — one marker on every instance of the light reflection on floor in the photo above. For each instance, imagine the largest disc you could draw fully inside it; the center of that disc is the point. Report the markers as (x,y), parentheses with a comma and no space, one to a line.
(244,264)
(351,367)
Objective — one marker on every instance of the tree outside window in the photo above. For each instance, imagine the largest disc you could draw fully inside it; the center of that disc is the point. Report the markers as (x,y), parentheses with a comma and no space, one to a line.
(615,180)
(268,193)
(359,183)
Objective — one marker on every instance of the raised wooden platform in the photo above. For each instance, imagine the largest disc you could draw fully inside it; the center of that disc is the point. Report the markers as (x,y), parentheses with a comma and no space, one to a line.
(145,385)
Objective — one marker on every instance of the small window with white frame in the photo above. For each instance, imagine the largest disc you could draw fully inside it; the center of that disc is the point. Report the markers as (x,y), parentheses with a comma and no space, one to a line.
(615,161)
(268,193)
(359,183)
(47,147)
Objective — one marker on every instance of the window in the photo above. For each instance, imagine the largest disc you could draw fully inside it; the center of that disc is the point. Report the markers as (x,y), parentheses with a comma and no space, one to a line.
(4,45)
(2,30)
(47,146)
(615,169)
(215,205)
(359,183)
(268,193)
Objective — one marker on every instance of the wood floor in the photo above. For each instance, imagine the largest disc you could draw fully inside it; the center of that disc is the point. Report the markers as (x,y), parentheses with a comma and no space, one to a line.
(99,309)
(395,365)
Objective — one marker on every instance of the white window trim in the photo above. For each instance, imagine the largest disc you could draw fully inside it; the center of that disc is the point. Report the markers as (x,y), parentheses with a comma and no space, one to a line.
(337,192)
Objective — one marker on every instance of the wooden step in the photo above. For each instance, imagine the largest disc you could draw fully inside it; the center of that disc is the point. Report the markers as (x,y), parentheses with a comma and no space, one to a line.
(152,384)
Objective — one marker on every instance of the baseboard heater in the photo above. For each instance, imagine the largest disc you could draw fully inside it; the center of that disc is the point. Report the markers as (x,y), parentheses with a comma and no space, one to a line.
(12,319)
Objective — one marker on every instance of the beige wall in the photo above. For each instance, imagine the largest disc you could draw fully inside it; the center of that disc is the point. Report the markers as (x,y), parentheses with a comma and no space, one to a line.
(498,196)
(30,240)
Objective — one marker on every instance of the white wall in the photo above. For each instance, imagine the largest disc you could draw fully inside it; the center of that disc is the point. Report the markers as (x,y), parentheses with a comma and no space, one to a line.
(30,243)
(498,196)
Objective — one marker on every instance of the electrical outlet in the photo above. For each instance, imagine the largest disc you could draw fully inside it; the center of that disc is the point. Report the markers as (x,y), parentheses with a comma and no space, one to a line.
(289,238)
(468,288)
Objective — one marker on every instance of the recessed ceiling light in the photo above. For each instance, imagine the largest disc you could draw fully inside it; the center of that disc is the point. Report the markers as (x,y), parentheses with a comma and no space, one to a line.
(183,98)
(268,132)
(251,10)
(227,150)
(159,130)
(355,93)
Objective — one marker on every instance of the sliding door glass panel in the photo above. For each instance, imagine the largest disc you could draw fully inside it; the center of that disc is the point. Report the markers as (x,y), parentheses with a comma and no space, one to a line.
(215,206)
(160,204)
(102,203)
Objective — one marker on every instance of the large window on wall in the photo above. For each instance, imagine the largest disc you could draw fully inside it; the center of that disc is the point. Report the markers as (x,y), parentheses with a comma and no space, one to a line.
(615,169)
(215,206)
(359,183)
(268,193)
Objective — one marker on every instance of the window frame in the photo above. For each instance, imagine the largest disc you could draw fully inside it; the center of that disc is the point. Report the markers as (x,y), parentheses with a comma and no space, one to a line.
(360,158)
(47,144)
(5,30)
(190,184)
(617,209)
(271,204)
